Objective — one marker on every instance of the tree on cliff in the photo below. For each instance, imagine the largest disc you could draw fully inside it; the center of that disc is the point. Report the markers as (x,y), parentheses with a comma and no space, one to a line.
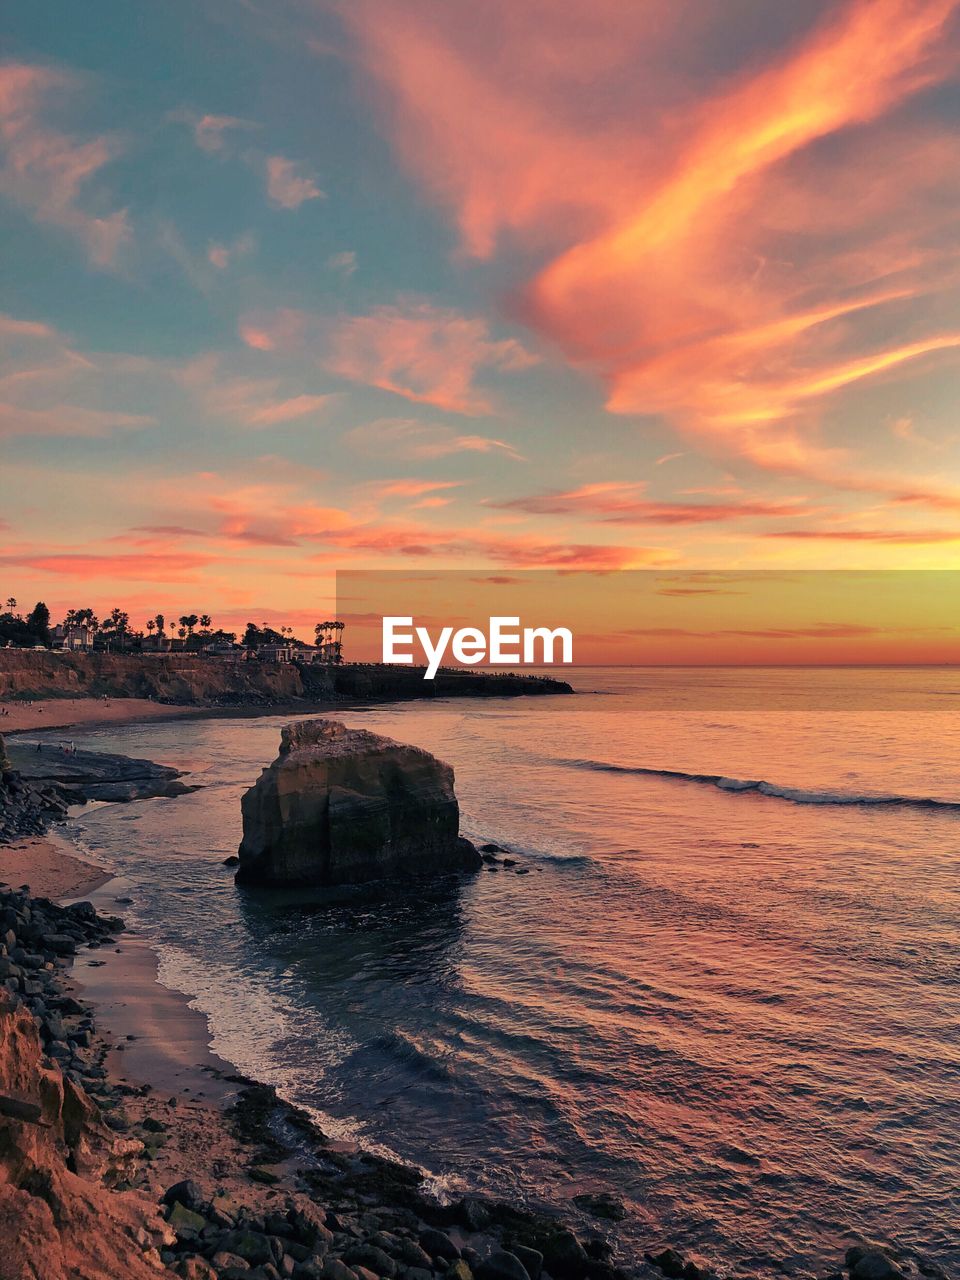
(38,622)
(82,618)
(188,622)
(25,632)
(116,628)
(255,636)
(160,622)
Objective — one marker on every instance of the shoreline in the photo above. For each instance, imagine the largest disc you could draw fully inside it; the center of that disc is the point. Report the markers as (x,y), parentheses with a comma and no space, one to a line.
(89,713)
(224,1154)
(245,1150)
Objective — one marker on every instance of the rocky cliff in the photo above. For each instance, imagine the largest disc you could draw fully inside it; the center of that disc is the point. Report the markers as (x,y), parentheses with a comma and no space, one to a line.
(344,806)
(59,1217)
(201,681)
(186,680)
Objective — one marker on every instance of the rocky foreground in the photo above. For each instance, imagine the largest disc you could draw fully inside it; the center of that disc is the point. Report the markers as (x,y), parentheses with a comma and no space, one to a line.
(38,786)
(80,1198)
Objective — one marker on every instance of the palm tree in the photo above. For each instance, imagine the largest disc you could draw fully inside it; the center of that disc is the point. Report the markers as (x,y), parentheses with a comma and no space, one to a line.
(151,625)
(160,620)
(206,622)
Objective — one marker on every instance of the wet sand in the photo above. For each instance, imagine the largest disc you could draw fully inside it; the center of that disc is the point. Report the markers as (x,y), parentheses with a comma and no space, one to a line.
(50,867)
(158,1039)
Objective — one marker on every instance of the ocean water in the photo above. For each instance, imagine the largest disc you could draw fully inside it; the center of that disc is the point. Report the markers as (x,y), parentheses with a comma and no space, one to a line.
(728,990)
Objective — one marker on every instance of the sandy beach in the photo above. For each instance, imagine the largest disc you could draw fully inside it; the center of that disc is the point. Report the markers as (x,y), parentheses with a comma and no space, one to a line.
(66,713)
(50,867)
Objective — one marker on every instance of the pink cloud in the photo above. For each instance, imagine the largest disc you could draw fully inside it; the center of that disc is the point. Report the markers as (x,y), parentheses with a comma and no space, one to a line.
(50,173)
(67,420)
(282,329)
(248,401)
(411,488)
(209,131)
(288,188)
(424,353)
(614,502)
(407,438)
(287,410)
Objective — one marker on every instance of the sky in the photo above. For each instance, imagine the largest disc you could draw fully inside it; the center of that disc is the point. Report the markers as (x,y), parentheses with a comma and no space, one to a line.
(300,287)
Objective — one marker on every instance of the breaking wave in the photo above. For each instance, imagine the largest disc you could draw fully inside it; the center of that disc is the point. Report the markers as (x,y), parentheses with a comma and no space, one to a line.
(759,786)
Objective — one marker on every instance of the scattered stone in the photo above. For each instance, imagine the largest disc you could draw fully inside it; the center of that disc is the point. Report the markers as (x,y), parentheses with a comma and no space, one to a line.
(186,1193)
(874,1265)
(438,1245)
(669,1262)
(601,1204)
(334,1269)
(501,1265)
(532,1260)
(564,1256)
(184,1221)
(473,1214)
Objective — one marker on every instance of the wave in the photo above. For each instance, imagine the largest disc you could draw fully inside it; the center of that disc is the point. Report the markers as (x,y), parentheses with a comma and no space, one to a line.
(758,786)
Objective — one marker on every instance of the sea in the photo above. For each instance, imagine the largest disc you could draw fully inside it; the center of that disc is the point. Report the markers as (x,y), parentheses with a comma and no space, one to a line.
(727,991)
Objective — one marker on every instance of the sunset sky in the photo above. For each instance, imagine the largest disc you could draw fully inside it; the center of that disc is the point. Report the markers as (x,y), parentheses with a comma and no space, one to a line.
(297,287)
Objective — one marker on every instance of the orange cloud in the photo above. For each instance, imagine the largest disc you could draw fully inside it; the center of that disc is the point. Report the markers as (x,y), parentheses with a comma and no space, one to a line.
(178,567)
(897,537)
(618,503)
(726,253)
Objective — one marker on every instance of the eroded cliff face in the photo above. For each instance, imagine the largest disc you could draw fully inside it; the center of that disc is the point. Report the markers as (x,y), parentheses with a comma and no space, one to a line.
(60,1219)
(183,680)
(344,806)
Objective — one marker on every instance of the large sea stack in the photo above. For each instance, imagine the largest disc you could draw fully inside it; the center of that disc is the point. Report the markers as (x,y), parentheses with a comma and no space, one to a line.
(343,806)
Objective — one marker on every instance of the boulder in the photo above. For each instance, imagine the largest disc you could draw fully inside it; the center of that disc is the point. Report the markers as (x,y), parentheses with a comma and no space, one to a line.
(344,806)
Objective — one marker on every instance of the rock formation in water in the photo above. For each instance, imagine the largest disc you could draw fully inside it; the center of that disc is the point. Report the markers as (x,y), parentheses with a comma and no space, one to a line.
(343,806)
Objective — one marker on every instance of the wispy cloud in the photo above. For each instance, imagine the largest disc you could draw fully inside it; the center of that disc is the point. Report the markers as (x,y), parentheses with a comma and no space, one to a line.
(429,354)
(344,263)
(406,438)
(67,420)
(52,174)
(742,272)
(612,502)
(248,401)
